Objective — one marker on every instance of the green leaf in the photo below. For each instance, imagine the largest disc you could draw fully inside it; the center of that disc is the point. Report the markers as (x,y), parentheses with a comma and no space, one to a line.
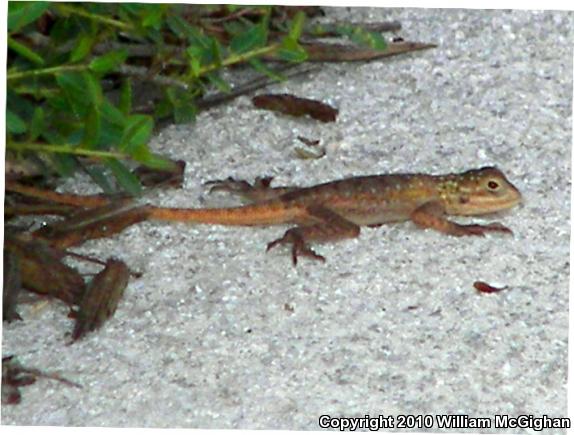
(111,114)
(216,51)
(36,124)
(125,103)
(363,37)
(297,26)
(24,51)
(259,66)
(254,37)
(21,105)
(154,161)
(153,16)
(74,87)
(15,124)
(163,109)
(109,61)
(136,133)
(180,104)
(178,25)
(216,80)
(110,134)
(81,90)
(185,31)
(21,13)
(184,113)
(98,175)
(65,164)
(82,48)
(93,89)
(194,53)
(128,181)
(291,51)
(92,128)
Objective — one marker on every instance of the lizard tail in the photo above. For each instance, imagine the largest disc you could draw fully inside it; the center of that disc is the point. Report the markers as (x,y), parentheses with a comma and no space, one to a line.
(268,213)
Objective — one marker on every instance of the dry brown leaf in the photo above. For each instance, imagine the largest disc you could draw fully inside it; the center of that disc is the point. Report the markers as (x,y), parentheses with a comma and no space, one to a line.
(42,270)
(101,298)
(296,106)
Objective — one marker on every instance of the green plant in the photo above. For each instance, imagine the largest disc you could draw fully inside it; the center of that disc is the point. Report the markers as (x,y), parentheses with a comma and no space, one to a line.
(73,68)
(62,54)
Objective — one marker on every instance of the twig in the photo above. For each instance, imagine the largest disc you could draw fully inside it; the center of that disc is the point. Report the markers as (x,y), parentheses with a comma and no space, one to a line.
(248,87)
(144,74)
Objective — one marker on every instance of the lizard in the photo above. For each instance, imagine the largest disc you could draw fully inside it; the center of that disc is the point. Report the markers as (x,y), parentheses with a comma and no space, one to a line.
(336,210)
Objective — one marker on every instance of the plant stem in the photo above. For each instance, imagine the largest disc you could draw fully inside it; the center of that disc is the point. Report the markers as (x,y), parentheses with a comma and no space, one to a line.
(44,71)
(83,13)
(237,58)
(64,149)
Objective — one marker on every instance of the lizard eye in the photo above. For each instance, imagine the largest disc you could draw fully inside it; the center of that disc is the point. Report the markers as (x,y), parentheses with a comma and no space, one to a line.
(493,185)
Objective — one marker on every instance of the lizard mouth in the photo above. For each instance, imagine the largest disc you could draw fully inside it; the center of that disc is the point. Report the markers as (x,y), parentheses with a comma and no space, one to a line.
(491,204)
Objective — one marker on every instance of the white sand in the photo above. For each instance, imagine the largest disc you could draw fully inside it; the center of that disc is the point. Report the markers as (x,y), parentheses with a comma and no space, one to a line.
(219,334)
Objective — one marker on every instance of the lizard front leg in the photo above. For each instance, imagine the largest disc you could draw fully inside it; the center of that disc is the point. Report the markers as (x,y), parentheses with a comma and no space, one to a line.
(432,215)
(328,226)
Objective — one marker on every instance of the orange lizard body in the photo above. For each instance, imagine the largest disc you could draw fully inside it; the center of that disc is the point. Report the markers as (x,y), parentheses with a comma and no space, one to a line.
(337,209)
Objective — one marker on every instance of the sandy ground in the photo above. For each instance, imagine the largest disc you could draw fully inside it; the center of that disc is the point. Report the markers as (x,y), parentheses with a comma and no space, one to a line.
(219,334)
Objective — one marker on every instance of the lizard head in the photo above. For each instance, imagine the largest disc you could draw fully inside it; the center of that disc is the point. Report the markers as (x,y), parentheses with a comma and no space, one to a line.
(478,191)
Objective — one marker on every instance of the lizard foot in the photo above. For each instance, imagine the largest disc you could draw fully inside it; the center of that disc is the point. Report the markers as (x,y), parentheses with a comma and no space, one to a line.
(299,247)
(480,230)
(232,185)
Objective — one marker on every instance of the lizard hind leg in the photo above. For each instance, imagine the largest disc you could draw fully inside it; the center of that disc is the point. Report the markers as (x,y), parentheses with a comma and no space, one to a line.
(259,191)
(325,225)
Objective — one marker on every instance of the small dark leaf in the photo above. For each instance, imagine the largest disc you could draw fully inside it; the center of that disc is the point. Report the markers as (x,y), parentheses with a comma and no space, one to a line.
(483,287)
(43,271)
(296,106)
(101,298)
